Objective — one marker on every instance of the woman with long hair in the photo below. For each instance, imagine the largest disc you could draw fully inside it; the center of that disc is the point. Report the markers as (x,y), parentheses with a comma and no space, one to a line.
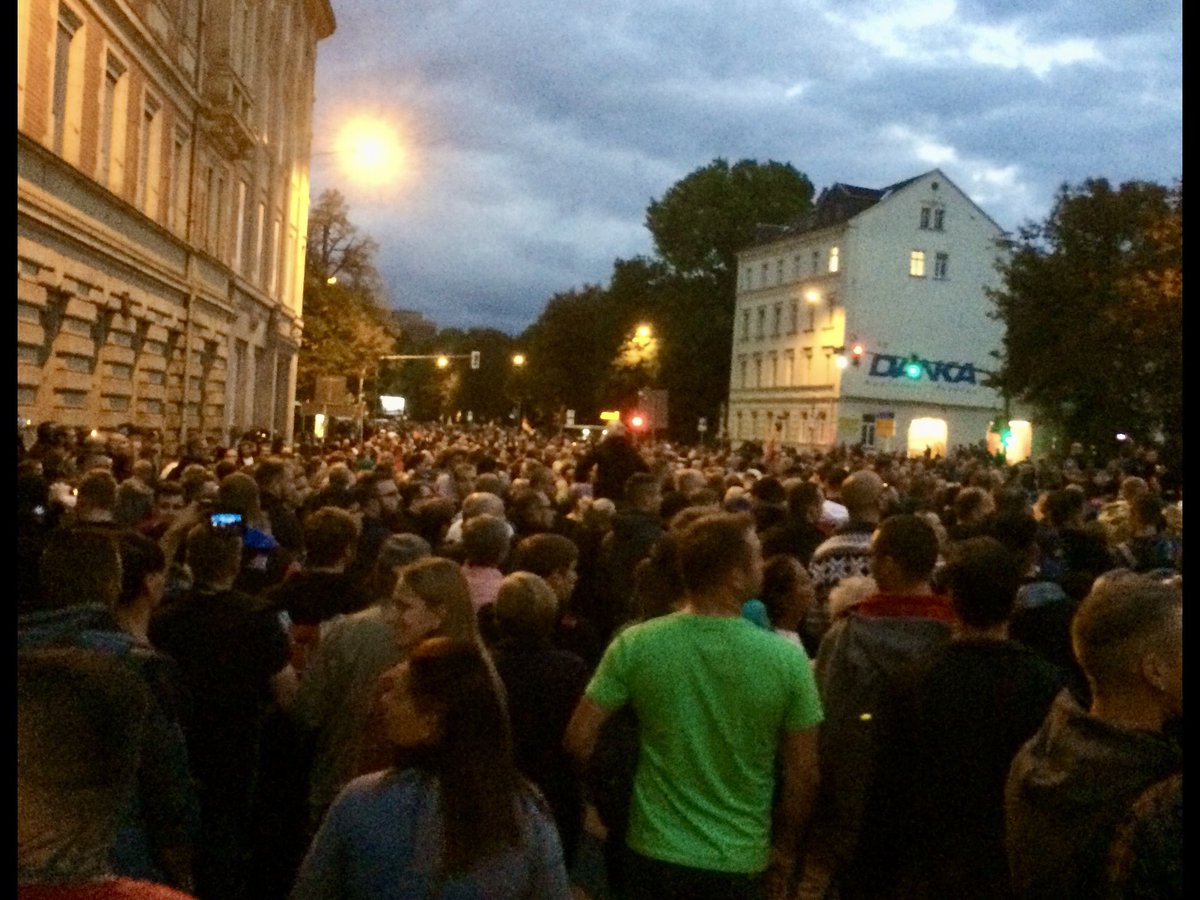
(451,817)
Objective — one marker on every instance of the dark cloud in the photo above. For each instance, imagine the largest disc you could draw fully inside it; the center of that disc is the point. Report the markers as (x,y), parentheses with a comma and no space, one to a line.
(540,131)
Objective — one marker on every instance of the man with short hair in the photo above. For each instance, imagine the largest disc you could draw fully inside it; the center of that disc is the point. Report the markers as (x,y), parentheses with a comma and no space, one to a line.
(725,709)
(234,659)
(846,553)
(1072,783)
(378,501)
(861,653)
(82,722)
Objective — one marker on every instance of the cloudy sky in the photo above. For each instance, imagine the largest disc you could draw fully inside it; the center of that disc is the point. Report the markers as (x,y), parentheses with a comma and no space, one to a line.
(536,132)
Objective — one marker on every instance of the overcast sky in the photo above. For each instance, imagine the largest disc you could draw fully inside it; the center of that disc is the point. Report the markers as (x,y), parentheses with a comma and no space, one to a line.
(536,132)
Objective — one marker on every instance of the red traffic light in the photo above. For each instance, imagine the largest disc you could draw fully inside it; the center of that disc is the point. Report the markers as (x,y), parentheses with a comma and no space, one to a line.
(856,353)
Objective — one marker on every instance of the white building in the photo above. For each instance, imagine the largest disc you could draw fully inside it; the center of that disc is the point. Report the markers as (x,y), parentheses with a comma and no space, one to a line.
(867,321)
(162,209)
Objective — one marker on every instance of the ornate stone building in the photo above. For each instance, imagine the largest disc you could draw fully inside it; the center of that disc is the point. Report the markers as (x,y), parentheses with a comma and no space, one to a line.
(162,204)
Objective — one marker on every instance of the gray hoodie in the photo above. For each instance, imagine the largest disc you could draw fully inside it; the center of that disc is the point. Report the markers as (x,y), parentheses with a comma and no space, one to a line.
(1069,788)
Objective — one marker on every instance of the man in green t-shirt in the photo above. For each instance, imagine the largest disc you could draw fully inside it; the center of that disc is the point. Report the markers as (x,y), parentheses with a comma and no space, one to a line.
(724,708)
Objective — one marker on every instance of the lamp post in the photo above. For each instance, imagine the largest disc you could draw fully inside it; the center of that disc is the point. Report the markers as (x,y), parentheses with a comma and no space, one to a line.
(518,363)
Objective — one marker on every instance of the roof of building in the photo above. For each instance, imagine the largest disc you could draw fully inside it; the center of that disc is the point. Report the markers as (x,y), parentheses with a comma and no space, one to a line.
(836,204)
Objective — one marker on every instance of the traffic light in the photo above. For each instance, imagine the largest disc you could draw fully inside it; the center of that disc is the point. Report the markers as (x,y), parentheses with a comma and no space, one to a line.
(637,421)
(474,359)
(856,354)
(913,368)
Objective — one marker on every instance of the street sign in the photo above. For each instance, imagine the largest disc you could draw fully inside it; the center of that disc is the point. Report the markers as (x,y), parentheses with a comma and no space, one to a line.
(610,415)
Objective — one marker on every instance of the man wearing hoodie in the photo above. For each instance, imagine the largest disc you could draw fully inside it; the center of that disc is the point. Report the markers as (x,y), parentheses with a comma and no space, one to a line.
(1074,782)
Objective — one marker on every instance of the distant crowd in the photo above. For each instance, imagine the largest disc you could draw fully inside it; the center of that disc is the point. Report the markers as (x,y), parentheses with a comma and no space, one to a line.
(483,662)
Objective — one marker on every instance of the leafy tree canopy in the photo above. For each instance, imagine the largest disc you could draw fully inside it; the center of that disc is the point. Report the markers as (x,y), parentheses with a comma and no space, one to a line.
(703,220)
(1092,304)
(346,324)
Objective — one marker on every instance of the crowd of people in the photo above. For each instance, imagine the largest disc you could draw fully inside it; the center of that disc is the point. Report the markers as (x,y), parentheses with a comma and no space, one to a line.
(477,662)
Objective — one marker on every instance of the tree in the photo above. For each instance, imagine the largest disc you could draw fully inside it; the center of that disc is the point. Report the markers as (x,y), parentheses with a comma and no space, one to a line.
(346,323)
(699,226)
(569,350)
(337,251)
(1092,304)
(705,219)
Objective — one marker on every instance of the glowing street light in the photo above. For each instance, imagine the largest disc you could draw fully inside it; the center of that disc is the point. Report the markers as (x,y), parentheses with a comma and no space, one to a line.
(370,150)
(812,296)
(518,359)
(442,362)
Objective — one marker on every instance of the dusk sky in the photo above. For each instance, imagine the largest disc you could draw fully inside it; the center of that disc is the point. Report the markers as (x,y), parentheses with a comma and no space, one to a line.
(536,133)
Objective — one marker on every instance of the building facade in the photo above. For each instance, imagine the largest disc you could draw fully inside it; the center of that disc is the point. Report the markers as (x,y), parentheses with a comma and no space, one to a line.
(867,322)
(162,205)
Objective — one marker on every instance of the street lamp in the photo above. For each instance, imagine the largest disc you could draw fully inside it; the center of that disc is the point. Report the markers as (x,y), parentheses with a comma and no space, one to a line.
(370,151)
(518,361)
(443,361)
(812,296)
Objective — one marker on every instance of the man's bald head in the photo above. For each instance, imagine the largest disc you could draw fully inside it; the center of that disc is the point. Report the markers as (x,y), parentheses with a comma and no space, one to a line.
(861,493)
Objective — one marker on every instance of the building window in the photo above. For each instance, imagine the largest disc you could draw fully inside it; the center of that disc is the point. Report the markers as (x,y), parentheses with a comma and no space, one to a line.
(932,217)
(111,103)
(816,261)
(150,158)
(773,375)
(789,368)
(747,277)
(216,213)
(941,266)
(68,399)
(760,331)
(794,321)
(796,267)
(757,370)
(833,259)
(742,369)
(67,98)
(154,377)
(812,319)
(926,217)
(745,324)
(939,219)
(777,320)
(763,271)
(779,271)
(180,178)
(916,264)
(239,227)
(115,403)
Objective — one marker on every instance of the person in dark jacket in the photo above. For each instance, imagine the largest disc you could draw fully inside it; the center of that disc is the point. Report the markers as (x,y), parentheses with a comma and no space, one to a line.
(613,460)
(1075,781)
(543,683)
(635,530)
